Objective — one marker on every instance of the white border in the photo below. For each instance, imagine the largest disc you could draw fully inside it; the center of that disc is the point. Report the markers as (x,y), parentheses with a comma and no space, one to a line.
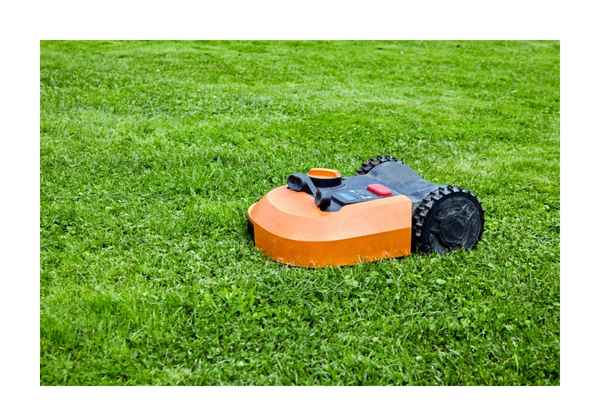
(307,19)
(23,24)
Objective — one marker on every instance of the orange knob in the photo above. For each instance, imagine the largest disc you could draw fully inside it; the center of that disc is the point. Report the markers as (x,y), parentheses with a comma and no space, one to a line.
(324,173)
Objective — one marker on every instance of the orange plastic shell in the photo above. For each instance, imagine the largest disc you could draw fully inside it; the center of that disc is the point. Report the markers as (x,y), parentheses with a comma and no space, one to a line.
(291,229)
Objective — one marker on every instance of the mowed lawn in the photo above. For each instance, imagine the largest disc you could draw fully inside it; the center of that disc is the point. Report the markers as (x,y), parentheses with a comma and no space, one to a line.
(151,153)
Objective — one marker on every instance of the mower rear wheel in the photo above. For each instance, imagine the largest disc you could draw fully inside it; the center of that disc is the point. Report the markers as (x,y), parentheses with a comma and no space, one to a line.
(373,162)
(448,218)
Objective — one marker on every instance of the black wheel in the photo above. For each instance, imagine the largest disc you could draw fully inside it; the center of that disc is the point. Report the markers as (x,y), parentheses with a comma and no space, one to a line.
(448,218)
(373,162)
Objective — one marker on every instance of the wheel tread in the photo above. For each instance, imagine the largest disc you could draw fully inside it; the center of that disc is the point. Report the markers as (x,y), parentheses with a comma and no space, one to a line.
(424,208)
(371,163)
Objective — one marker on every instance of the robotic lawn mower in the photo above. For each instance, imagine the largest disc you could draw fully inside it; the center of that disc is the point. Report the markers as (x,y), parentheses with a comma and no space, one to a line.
(385,211)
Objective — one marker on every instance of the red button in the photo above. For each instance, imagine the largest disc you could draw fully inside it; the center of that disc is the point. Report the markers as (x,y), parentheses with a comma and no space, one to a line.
(379,189)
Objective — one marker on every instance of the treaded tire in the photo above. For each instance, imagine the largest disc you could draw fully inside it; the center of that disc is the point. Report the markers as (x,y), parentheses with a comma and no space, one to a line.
(448,218)
(373,162)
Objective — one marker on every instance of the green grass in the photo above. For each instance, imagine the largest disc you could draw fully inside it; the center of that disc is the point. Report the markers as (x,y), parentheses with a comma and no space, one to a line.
(151,153)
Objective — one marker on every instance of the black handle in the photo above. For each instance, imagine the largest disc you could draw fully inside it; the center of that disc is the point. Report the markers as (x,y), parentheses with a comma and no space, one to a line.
(302,183)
